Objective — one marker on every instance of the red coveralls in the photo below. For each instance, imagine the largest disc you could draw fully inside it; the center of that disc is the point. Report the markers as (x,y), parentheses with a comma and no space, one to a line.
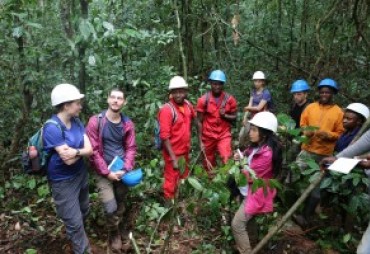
(216,131)
(179,134)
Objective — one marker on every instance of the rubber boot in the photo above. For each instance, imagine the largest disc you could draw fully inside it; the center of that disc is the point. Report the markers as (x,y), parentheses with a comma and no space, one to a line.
(310,207)
(115,241)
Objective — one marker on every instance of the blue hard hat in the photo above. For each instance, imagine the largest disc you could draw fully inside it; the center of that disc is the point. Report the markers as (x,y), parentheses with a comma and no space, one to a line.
(133,177)
(328,82)
(299,85)
(217,75)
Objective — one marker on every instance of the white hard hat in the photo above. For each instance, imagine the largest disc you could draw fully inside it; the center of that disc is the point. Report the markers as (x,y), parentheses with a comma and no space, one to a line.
(360,109)
(177,82)
(258,75)
(64,93)
(265,120)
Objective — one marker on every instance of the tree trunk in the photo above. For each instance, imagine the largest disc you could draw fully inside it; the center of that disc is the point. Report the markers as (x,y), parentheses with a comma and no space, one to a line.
(65,16)
(188,37)
(82,49)
(26,105)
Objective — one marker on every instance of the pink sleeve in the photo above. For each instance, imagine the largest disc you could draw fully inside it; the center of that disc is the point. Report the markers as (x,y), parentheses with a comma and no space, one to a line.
(96,159)
(130,145)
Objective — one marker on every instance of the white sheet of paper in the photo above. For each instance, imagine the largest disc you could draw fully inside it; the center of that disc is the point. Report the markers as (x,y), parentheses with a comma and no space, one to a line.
(344,165)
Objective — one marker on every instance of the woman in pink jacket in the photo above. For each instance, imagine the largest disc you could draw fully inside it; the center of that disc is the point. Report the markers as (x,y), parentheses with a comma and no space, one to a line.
(264,158)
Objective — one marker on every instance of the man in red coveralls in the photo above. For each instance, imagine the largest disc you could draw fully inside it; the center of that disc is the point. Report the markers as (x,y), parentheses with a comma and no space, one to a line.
(215,110)
(175,132)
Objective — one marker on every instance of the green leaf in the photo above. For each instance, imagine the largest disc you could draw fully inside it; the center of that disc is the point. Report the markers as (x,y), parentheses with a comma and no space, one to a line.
(195,183)
(31,184)
(26,209)
(182,164)
(35,25)
(356,181)
(131,32)
(326,183)
(17,32)
(154,163)
(346,238)
(242,181)
(43,190)
(275,184)
(312,164)
(108,26)
(85,28)
(30,251)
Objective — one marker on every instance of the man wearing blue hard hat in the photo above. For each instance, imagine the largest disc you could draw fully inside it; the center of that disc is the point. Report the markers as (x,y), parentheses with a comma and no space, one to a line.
(300,89)
(215,111)
(327,118)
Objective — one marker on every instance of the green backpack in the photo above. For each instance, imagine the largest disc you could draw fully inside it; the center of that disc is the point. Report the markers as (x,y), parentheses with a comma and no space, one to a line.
(39,164)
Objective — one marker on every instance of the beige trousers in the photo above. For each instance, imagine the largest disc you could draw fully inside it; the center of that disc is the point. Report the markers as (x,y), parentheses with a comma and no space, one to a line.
(239,229)
(113,196)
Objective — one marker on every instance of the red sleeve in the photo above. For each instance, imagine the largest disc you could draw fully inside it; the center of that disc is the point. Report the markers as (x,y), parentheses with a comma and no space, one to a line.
(233,104)
(193,113)
(201,104)
(165,122)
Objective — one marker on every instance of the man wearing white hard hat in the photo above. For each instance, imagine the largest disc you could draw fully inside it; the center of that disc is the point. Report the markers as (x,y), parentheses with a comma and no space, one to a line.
(175,118)
(66,141)
(355,116)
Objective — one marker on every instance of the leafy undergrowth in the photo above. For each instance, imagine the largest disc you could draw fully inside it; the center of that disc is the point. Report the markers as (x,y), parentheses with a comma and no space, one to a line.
(198,221)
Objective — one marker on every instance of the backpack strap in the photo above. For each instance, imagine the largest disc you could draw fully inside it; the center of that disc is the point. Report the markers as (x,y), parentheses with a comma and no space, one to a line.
(224,101)
(100,116)
(57,124)
(174,113)
(206,101)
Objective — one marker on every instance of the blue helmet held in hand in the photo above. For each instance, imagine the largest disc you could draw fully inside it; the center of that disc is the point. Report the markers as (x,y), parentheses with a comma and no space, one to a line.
(329,83)
(217,75)
(133,177)
(300,85)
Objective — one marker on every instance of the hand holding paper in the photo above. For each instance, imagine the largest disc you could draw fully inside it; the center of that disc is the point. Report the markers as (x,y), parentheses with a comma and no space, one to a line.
(344,165)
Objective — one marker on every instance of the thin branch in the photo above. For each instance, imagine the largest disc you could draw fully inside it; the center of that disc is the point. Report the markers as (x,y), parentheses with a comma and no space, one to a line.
(183,58)
(290,212)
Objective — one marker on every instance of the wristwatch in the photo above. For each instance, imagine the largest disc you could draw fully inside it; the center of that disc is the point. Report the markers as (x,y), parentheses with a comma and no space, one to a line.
(78,152)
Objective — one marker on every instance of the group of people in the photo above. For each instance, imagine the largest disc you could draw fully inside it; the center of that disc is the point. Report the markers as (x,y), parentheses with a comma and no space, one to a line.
(111,133)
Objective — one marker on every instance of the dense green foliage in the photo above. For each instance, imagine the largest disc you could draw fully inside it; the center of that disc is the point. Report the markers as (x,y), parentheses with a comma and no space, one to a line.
(100,44)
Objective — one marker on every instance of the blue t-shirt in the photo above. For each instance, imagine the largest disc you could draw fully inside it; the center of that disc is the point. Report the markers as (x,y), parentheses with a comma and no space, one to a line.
(112,141)
(345,139)
(265,95)
(53,137)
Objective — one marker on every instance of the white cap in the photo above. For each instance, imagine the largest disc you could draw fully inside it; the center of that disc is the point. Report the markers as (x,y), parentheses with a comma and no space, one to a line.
(265,120)
(64,93)
(360,109)
(177,82)
(258,75)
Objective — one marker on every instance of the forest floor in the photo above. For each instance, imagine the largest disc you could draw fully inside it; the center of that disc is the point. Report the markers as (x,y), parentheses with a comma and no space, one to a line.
(21,235)
(28,224)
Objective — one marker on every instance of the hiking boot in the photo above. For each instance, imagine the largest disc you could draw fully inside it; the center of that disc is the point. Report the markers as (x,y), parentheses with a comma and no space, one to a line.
(301,221)
(116,242)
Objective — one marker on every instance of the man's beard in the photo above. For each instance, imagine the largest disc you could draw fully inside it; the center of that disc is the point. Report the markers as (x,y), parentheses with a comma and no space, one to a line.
(115,110)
